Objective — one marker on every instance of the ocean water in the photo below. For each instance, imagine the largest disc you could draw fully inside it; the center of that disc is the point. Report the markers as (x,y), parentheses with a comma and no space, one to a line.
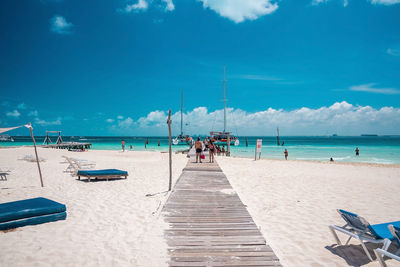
(373,149)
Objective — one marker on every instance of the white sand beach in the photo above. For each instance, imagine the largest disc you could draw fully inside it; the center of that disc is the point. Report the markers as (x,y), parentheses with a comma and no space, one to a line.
(114,224)
(293,202)
(108,223)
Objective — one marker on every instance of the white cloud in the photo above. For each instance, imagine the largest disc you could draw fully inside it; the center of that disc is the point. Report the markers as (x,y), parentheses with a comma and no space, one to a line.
(120,117)
(342,118)
(109,120)
(33,113)
(153,119)
(44,123)
(317,2)
(370,89)
(141,5)
(169,5)
(239,10)
(385,2)
(58,24)
(346,2)
(21,106)
(393,52)
(127,123)
(14,114)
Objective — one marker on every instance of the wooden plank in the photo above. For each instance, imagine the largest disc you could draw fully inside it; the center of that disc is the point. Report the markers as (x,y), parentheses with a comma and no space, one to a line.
(211,227)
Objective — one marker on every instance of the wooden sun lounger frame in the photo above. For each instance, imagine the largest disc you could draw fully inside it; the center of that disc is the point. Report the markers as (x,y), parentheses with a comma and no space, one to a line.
(107,177)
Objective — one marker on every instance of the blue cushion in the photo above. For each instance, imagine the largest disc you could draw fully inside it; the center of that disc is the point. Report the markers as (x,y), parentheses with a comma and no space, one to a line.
(29,208)
(33,220)
(102,172)
(382,230)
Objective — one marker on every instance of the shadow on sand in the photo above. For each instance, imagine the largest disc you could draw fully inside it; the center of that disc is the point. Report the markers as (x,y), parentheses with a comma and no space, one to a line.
(354,255)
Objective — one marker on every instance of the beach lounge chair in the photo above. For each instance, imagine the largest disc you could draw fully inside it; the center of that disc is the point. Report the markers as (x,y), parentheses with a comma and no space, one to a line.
(380,252)
(102,174)
(75,164)
(357,227)
(30,212)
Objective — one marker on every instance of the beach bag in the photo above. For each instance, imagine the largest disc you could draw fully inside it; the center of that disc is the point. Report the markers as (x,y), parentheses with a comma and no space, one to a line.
(203,156)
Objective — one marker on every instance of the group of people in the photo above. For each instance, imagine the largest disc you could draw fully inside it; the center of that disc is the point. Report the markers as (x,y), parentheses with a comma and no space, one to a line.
(207,145)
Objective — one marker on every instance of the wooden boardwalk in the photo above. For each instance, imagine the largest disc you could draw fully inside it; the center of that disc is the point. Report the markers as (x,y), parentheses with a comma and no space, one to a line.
(208,223)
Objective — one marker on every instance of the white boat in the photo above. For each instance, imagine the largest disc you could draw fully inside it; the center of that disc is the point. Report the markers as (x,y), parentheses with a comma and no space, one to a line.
(182,139)
(6,138)
(221,138)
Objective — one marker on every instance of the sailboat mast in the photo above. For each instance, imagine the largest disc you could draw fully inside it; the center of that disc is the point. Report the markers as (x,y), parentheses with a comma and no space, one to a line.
(224,102)
(181,111)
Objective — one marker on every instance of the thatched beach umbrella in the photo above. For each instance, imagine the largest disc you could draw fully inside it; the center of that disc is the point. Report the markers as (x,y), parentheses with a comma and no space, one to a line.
(29,126)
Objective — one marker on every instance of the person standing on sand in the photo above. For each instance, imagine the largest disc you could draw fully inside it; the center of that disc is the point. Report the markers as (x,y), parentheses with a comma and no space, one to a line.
(223,150)
(123,145)
(286,154)
(357,152)
(198,145)
(211,151)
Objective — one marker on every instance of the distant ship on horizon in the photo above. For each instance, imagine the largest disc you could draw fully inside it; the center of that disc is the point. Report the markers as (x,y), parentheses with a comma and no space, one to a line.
(369,135)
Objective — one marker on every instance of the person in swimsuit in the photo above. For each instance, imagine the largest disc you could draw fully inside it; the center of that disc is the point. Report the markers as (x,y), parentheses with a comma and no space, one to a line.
(357,152)
(123,145)
(198,145)
(211,151)
(286,154)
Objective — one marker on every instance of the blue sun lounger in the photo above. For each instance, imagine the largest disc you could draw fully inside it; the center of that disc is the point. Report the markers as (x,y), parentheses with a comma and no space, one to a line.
(30,212)
(102,174)
(357,227)
(380,252)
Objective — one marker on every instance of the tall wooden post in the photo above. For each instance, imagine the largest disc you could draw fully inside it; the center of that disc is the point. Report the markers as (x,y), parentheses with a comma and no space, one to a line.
(37,158)
(170,150)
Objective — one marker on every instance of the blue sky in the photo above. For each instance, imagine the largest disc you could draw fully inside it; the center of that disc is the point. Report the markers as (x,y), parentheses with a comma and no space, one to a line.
(116,67)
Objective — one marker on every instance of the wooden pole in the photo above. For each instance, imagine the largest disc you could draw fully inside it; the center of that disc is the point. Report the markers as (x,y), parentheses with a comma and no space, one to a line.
(247,142)
(255,152)
(37,158)
(170,150)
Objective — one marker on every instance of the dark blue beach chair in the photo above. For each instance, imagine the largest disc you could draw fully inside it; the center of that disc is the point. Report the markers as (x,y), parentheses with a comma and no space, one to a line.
(357,227)
(102,174)
(30,212)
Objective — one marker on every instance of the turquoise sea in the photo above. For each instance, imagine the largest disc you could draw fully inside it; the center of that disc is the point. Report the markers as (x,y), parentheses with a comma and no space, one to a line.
(373,149)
